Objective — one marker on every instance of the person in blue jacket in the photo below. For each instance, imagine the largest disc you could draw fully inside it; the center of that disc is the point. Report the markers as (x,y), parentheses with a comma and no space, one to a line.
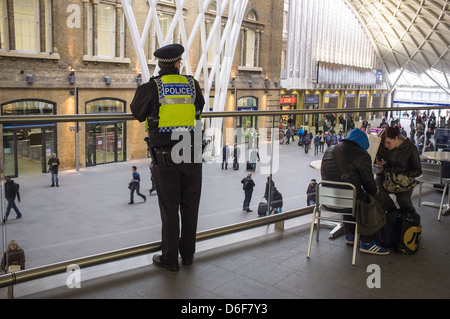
(135,185)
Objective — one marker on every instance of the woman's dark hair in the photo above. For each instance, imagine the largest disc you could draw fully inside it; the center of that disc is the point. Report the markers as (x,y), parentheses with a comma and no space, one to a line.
(392,132)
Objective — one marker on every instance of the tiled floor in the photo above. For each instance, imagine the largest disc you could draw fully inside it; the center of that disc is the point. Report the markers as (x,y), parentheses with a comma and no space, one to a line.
(274,266)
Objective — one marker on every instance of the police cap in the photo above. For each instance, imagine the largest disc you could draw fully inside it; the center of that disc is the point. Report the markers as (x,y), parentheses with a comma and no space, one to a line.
(169,53)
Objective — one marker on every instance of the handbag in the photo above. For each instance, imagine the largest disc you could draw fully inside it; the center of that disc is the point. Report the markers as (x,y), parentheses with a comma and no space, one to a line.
(370,216)
(13,268)
(397,183)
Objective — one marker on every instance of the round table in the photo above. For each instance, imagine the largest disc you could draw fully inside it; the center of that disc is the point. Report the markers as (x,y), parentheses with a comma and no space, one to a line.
(316,164)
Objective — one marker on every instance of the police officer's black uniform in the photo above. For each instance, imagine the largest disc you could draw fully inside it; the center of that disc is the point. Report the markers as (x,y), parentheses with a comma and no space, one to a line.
(178,185)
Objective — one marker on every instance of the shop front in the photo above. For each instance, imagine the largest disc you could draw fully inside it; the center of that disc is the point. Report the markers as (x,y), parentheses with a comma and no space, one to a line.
(105,140)
(26,147)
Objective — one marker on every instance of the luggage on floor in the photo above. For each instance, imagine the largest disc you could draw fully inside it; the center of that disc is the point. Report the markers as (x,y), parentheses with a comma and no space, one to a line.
(410,233)
(262,208)
(402,231)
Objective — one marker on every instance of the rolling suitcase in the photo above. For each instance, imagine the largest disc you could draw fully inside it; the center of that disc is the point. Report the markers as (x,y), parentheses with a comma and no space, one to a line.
(262,209)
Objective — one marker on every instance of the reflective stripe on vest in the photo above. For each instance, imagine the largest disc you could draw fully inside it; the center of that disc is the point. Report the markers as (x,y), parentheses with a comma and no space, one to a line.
(176,96)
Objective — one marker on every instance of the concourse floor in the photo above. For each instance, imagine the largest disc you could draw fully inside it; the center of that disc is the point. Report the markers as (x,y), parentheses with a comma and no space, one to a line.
(274,266)
(262,263)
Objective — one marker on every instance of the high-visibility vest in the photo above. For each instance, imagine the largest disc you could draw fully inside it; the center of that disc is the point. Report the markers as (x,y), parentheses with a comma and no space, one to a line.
(176,97)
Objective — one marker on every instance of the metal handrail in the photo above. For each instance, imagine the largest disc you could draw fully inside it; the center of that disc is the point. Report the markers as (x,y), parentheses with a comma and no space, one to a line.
(134,251)
(14,119)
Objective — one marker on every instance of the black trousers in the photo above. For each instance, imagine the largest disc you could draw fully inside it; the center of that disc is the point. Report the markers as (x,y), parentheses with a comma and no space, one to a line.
(247,199)
(179,190)
(403,199)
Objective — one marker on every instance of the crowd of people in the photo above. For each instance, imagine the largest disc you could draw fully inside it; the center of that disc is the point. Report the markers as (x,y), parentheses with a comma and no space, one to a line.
(307,139)
(422,128)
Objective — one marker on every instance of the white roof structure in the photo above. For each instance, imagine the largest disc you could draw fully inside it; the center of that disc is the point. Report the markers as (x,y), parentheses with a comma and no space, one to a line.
(407,39)
(411,38)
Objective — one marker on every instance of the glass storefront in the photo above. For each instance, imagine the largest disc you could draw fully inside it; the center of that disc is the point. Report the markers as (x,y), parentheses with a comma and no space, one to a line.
(105,141)
(27,148)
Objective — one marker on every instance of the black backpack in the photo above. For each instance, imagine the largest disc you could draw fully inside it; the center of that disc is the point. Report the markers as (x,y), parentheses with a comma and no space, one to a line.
(402,231)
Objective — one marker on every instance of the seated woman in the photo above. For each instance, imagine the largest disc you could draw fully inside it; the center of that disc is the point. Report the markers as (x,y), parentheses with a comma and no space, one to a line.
(399,158)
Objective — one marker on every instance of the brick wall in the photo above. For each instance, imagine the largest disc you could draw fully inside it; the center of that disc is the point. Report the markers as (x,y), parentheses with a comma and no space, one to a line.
(69,50)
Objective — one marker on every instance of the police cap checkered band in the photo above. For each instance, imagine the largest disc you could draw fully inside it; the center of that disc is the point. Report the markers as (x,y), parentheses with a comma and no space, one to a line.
(169,53)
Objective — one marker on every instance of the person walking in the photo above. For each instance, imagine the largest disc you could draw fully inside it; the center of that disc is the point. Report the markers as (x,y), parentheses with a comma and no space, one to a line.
(177,171)
(247,185)
(288,135)
(135,185)
(11,191)
(53,162)
(254,156)
(225,155)
(306,141)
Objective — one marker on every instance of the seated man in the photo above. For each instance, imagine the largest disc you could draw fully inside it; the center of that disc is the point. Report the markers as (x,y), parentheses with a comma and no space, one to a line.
(358,166)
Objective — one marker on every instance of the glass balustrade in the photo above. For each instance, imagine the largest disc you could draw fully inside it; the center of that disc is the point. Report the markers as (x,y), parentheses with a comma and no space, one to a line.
(89,213)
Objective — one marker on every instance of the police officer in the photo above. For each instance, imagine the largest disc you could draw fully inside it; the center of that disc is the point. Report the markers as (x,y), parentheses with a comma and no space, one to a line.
(171,104)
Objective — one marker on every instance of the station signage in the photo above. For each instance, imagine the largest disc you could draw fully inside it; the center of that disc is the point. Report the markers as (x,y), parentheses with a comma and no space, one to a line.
(288,99)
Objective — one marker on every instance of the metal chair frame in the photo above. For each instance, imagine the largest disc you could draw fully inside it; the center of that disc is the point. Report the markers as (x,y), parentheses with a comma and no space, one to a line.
(332,195)
(432,174)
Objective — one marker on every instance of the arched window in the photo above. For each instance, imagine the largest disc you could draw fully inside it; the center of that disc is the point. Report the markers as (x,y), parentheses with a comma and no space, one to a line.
(212,6)
(252,15)
(29,107)
(249,103)
(105,105)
